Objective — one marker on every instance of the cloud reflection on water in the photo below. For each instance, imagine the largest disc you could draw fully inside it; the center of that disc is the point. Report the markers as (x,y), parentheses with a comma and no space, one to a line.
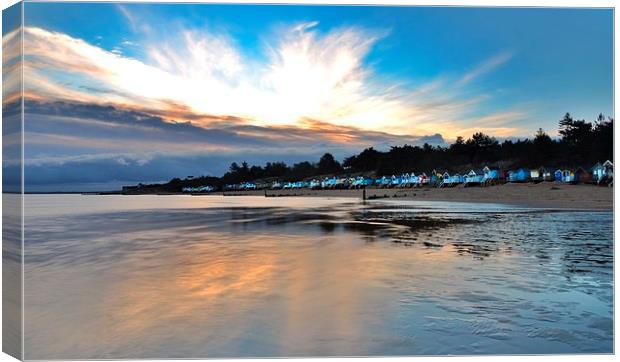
(281,278)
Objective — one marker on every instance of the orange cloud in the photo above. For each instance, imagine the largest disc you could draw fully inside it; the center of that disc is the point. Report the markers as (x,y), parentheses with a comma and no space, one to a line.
(203,77)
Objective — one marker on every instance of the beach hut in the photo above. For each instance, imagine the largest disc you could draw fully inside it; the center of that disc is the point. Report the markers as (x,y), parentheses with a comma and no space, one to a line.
(603,172)
(609,169)
(414,180)
(609,172)
(423,179)
(474,178)
(512,176)
(545,174)
(407,179)
(263,185)
(230,187)
(568,176)
(557,175)
(598,172)
(360,182)
(583,176)
(385,181)
(365,181)
(520,175)
(452,180)
(395,181)
(444,180)
(404,180)
(248,186)
(535,174)
(491,176)
(435,177)
(205,188)
(341,183)
(329,183)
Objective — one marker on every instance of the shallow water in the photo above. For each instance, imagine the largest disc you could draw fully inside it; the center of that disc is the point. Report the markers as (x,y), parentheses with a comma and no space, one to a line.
(182,276)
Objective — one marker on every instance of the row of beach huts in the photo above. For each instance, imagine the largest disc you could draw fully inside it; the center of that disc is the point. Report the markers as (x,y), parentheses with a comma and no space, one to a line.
(600,174)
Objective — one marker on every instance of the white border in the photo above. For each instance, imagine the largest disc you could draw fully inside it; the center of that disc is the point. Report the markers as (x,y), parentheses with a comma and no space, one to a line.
(480,3)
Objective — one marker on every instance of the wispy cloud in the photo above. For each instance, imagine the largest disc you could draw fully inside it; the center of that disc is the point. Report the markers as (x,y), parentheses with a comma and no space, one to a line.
(137,25)
(305,74)
(486,67)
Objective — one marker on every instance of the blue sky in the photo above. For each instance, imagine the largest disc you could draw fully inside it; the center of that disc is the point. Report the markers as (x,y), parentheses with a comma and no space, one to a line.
(560,56)
(407,73)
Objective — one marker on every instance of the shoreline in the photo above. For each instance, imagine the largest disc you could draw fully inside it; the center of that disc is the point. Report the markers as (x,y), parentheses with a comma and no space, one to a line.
(540,195)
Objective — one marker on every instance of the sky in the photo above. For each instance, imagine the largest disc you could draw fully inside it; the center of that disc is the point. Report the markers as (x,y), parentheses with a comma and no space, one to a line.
(119,93)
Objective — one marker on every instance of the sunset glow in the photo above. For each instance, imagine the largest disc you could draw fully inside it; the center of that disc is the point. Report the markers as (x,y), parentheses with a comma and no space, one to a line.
(291,82)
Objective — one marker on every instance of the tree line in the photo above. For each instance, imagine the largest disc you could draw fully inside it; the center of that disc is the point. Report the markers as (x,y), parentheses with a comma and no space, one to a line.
(581,143)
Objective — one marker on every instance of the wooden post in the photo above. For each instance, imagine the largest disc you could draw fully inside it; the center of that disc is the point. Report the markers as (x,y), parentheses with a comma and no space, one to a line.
(364,193)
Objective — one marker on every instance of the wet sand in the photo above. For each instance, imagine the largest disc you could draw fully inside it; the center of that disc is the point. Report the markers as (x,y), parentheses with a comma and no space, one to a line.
(149,276)
(544,194)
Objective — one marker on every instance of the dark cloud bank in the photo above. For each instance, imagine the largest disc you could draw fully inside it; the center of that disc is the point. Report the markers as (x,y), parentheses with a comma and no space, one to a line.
(77,147)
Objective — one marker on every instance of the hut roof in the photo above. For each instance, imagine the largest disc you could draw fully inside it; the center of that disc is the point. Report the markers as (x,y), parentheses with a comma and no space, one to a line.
(597,165)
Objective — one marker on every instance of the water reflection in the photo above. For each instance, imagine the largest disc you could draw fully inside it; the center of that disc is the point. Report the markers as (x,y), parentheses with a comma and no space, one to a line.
(292,277)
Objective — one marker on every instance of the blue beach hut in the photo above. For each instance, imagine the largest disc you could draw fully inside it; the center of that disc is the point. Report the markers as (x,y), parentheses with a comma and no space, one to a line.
(520,175)
(490,174)
(474,177)
(598,172)
(329,183)
(395,181)
(435,177)
(603,172)
(385,181)
(366,181)
(568,176)
(452,180)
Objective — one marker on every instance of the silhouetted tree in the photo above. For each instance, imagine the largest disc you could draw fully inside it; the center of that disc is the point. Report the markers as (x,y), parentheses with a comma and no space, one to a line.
(543,148)
(327,164)
(581,143)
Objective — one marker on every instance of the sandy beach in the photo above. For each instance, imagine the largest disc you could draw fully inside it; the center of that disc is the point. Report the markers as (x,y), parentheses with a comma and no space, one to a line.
(544,195)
